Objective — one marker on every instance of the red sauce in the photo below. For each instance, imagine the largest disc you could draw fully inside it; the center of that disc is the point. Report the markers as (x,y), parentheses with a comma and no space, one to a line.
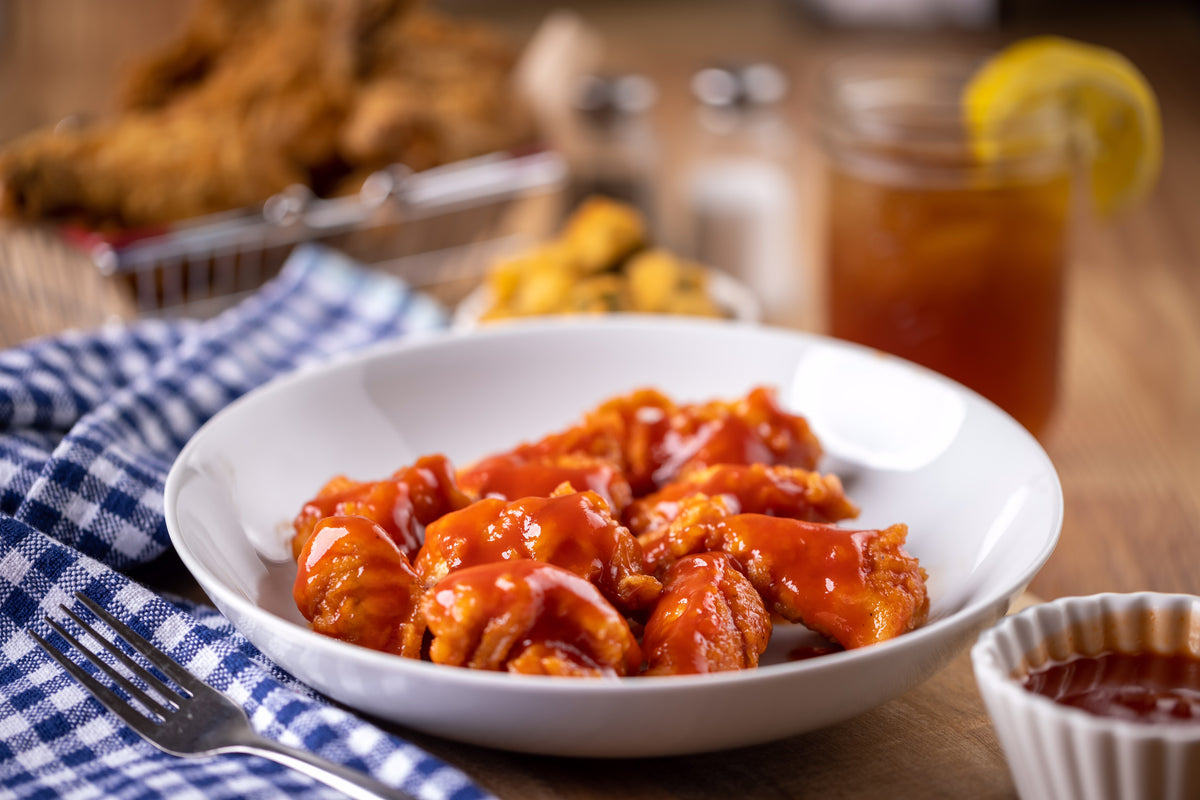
(573,531)
(709,619)
(856,587)
(1142,687)
(803,652)
(530,617)
(511,477)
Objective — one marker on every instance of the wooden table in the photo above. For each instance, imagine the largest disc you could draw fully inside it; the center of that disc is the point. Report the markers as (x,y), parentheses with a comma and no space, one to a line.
(1126,440)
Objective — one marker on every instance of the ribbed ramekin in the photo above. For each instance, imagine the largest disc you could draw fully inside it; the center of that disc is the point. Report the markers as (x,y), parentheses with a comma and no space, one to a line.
(1056,751)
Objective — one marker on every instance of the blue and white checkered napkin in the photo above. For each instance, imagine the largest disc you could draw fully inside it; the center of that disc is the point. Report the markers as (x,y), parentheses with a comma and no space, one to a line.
(89,426)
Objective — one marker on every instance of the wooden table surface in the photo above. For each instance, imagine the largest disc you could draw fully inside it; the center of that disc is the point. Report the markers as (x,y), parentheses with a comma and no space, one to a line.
(1125,441)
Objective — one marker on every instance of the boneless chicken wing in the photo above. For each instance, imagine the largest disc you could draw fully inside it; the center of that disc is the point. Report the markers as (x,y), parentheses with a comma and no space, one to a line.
(624,431)
(511,476)
(661,440)
(412,497)
(778,490)
(654,440)
(528,617)
(752,429)
(695,527)
(573,530)
(431,487)
(641,422)
(709,619)
(854,587)
(353,583)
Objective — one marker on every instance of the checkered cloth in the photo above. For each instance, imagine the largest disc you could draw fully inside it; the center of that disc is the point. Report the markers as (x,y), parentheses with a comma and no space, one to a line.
(89,426)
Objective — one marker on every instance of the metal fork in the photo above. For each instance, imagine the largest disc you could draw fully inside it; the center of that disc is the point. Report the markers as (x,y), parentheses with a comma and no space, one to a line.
(193,719)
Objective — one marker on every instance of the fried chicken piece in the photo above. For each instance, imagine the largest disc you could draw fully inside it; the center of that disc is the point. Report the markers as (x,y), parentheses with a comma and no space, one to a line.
(354,584)
(258,121)
(111,175)
(655,440)
(752,429)
(659,281)
(573,530)
(255,97)
(528,617)
(695,527)
(411,498)
(710,618)
(856,587)
(778,490)
(623,430)
(432,90)
(432,487)
(212,31)
(610,432)
(627,430)
(511,476)
(600,233)
(641,422)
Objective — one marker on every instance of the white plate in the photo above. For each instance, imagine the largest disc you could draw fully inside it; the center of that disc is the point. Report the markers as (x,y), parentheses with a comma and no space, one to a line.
(981,498)
(730,294)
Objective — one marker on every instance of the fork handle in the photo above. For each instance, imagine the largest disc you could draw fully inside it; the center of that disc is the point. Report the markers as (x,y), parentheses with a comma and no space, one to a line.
(350,782)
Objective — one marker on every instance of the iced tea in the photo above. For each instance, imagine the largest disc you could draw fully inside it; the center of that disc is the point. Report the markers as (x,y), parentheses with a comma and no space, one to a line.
(967,281)
(937,256)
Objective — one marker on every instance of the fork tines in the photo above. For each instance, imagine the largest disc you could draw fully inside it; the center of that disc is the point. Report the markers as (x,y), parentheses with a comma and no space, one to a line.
(169,698)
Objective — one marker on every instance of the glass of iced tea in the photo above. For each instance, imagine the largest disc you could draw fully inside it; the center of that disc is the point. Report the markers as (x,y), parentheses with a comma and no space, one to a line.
(941,249)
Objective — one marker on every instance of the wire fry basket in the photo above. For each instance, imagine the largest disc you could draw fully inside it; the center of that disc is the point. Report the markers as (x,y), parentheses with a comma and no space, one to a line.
(439,230)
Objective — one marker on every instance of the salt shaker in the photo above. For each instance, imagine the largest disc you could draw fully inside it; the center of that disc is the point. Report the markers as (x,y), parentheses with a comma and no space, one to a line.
(739,188)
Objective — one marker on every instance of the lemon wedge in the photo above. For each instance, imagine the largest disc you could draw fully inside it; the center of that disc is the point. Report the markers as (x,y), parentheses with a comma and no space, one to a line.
(1106,99)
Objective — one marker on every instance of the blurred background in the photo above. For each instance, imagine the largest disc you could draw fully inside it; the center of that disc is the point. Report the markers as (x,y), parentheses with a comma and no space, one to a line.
(637,98)
(62,62)
(63,57)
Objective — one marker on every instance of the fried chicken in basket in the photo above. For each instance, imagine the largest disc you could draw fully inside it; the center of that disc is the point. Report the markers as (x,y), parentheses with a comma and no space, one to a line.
(258,95)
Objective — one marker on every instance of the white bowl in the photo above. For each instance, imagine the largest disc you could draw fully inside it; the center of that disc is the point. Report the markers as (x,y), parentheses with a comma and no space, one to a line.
(1057,751)
(982,501)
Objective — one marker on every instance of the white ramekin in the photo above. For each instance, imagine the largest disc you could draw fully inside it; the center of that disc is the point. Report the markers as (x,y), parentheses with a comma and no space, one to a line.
(1060,752)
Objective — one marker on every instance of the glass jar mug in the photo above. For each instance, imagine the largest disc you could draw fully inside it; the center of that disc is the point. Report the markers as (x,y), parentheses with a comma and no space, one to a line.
(943,250)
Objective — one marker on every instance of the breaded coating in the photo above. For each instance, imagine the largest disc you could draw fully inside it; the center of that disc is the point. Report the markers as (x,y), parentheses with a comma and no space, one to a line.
(401,504)
(778,490)
(573,530)
(354,584)
(511,476)
(752,429)
(654,440)
(710,618)
(695,527)
(854,587)
(254,97)
(528,617)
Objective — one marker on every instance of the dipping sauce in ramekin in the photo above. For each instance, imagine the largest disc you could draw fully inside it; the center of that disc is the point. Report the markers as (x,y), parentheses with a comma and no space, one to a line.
(1142,687)
(1097,698)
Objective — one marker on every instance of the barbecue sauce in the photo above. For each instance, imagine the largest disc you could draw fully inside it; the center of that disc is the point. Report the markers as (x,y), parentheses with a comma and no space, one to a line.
(1141,687)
